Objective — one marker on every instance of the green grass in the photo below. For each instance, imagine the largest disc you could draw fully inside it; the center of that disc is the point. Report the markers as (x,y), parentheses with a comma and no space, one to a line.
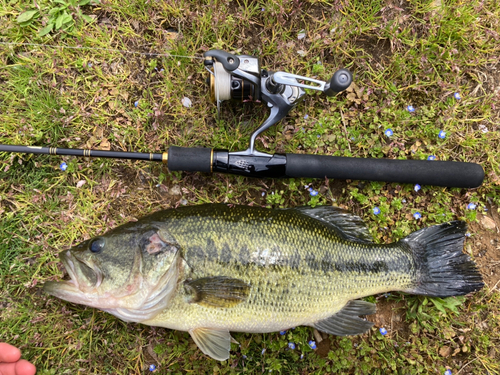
(77,97)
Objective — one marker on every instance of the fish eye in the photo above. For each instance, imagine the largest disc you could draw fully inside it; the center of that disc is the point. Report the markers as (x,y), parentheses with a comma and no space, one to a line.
(97,245)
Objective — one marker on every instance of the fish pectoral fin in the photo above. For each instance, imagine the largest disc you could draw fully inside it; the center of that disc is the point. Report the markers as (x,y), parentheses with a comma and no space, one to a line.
(346,224)
(217,291)
(215,343)
(347,322)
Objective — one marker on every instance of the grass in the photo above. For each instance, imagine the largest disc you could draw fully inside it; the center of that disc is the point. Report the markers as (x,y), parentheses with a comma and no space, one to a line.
(400,53)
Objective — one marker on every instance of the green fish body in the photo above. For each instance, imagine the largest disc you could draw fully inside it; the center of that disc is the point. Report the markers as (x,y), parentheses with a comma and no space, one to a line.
(214,268)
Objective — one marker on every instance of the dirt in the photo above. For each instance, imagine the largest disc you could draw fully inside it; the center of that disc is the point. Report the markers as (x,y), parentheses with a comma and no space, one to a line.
(379,49)
(391,316)
(484,246)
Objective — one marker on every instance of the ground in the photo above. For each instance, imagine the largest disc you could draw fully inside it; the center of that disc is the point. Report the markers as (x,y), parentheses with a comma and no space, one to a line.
(121,87)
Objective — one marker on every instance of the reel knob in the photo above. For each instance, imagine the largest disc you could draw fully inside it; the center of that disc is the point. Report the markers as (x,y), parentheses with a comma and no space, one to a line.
(340,81)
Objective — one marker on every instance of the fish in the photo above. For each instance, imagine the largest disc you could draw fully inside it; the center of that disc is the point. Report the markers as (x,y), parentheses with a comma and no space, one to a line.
(213,269)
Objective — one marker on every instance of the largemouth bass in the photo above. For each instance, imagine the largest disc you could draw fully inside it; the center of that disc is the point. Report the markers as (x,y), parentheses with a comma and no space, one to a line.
(213,268)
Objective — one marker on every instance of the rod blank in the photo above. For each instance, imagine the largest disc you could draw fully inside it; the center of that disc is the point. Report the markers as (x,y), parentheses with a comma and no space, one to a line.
(82,152)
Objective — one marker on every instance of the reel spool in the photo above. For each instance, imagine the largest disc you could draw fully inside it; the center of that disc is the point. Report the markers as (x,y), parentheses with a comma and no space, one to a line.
(227,86)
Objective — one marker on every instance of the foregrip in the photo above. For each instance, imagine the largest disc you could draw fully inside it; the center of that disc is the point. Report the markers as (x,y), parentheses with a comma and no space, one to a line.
(424,172)
(190,159)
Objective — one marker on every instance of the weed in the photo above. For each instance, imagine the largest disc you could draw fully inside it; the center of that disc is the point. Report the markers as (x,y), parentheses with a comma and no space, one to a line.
(85,97)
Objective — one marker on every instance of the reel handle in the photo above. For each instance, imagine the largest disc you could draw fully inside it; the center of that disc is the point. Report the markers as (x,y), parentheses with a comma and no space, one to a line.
(340,81)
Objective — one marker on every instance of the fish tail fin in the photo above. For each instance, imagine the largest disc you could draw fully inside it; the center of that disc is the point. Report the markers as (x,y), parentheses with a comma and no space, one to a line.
(443,270)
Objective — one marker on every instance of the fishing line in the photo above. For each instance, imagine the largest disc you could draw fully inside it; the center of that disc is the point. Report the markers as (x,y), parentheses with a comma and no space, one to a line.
(99,49)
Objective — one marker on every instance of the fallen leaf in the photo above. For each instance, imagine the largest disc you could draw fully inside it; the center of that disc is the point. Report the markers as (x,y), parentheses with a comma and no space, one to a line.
(445,351)
(105,145)
(488,223)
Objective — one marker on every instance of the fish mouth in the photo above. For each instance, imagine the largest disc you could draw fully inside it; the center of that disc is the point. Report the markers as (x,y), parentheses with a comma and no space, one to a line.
(84,278)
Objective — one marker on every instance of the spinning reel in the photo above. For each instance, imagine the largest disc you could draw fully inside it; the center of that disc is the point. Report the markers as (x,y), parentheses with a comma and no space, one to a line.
(239,77)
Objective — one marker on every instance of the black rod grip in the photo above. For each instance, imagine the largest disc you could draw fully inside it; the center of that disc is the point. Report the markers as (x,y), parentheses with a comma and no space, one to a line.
(190,159)
(423,172)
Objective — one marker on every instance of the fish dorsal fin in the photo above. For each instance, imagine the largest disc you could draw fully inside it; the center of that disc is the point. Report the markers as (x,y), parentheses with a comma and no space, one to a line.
(218,291)
(215,343)
(348,225)
(347,322)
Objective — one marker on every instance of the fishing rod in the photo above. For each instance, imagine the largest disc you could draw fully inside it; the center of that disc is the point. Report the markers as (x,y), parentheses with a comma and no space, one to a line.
(239,77)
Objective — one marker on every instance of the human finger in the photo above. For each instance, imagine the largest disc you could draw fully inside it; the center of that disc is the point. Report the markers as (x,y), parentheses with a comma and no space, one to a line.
(23,367)
(9,353)
(8,368)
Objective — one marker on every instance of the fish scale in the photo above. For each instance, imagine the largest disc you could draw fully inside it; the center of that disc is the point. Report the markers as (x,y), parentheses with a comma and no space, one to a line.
(287,286)
(213,268)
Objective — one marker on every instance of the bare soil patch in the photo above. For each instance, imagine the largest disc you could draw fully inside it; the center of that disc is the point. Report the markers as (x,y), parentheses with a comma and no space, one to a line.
(484,246)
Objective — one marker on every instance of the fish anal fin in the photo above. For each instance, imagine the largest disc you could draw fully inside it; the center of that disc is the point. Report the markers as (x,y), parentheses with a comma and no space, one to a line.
(217,291)
(215,343)
(347,322)
(348,225)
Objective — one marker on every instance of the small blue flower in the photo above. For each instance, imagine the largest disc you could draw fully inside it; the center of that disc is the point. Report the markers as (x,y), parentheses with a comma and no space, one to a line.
(431,157)
(404,201)
(263,351)
(417,215)
(291,345)
(319,136)
(312,344)
(447,372)
(89,65)
(63,166)
(313,193)
(244,356)
(306,117)
(410,108)
(471,206)
(263,193)
(376,210)
(383,331)
(457,96)
(388,132)
(442,134)
(136,104)
(302,356)
(152,368)
(282,333)
(417,187)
